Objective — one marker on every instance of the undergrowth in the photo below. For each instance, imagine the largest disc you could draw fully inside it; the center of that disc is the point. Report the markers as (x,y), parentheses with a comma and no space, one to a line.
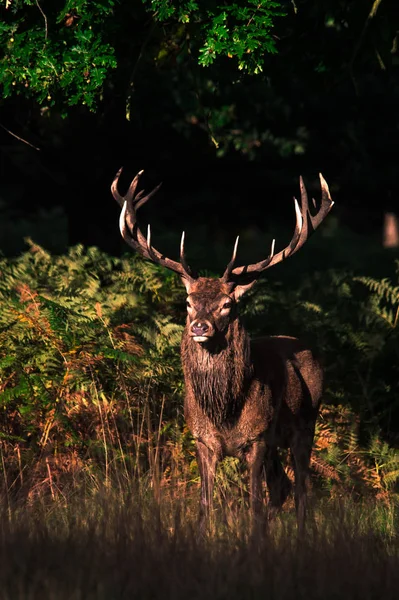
(91,389)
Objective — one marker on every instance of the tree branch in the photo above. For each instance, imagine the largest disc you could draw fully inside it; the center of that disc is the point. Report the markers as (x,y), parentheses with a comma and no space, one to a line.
(19,138)
(45,19)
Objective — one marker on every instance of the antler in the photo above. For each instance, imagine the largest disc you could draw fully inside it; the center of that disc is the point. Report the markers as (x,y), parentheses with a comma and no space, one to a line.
(304,227)
(131,233)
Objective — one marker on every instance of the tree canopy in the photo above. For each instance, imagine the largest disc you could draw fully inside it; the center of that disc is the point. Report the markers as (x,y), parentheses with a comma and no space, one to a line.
(275,88)
(62,53)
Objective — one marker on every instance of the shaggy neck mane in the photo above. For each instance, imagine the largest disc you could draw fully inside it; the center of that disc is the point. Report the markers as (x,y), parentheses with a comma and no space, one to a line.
(218,377)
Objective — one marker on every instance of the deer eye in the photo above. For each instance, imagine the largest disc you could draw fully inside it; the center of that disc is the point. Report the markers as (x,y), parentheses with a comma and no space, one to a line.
(227,305)
(188,304)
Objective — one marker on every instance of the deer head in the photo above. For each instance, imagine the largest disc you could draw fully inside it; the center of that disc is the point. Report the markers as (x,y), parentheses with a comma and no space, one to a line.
(211,307)
(211,303)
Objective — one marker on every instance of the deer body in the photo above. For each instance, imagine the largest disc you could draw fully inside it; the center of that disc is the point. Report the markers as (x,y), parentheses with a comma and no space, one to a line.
(283,392)
(247,398)
(243,398)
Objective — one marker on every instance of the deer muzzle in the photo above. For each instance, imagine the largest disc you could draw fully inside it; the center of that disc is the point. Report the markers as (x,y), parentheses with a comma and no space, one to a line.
(201,331)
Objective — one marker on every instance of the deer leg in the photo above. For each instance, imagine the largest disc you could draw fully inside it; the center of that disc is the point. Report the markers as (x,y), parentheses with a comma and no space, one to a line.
(301,450)
(207,461)
(255,457)
(278,483)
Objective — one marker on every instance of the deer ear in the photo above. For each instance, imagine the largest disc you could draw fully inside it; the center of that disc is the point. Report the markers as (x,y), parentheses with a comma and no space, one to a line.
(239,290)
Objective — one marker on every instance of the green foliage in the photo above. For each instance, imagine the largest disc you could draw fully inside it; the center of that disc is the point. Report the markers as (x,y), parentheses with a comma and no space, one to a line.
(83,343)
(64,52)
(243,32)
(384,303)
(53,52)
(240,30)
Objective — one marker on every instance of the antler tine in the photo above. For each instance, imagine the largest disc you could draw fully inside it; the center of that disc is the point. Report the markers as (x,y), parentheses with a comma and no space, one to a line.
(182,257)
(132,187)
(122,220)
(125,229)
(310,223)
(130,194)
(326,203)
(183,260)
(229,268)
(271,259)
(131,232)
(300,223)
(142,199)
(150,250)
(304,226)
(114,189)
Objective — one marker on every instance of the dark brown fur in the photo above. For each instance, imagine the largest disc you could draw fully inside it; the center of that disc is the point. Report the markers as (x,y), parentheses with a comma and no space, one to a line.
(247,398)
(219,377)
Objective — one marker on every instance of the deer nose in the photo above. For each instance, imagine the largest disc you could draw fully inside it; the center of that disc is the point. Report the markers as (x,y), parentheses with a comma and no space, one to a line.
(199,327)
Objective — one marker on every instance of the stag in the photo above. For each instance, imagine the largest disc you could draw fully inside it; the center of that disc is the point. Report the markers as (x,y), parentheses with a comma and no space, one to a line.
(244,398)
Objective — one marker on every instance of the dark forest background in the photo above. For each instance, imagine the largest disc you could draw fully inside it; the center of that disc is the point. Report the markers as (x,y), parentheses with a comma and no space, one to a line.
(227,140)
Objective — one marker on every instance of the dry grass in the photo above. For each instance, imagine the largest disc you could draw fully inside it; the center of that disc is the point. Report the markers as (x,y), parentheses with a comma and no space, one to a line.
(112,545)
